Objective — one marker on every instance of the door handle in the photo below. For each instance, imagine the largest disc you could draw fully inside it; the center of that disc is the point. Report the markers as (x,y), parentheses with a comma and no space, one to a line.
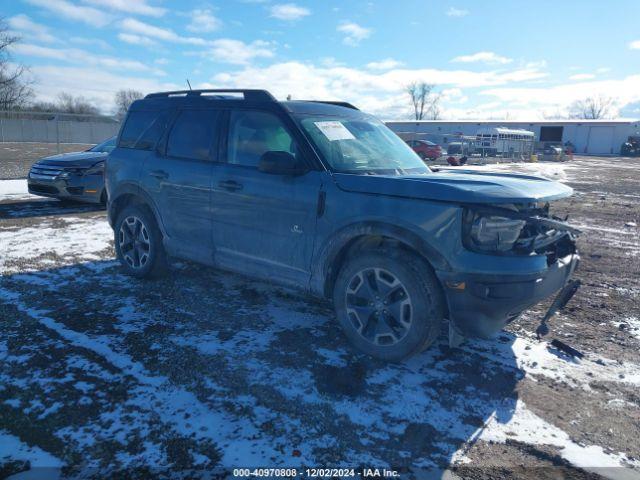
(159,174)
(230,185)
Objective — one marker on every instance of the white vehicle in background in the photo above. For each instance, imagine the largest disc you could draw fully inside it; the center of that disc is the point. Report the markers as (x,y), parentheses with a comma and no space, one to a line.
(502,141)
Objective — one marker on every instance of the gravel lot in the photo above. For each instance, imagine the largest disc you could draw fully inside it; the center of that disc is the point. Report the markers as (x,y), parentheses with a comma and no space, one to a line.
(204,371)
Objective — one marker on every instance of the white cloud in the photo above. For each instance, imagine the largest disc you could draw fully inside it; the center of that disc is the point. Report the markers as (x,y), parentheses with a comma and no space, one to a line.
(203,21)
(379,92)
(76,55)
(99,86)
(223,49)
(134,39)
(354,33)
(484,57)
(63,8)
(137,27)
(386,64)
(582,76)
(635,45)
(237,52)
(603,70)
(288,11)
(96,42)
(457,12)
(559,97)
(139,7)
(27,28)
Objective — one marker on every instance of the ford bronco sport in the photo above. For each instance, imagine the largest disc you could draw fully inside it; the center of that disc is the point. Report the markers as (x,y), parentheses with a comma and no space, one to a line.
(320,196)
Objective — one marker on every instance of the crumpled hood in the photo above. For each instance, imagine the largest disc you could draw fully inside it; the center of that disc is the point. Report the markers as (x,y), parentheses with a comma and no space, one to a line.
(460,186)
(75,159)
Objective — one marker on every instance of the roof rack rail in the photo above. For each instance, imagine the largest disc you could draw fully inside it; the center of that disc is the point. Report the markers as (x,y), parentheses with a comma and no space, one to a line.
(249,94)
(337,103)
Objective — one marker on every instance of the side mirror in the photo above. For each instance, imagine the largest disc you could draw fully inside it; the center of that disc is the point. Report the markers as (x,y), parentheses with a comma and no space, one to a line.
(280,163)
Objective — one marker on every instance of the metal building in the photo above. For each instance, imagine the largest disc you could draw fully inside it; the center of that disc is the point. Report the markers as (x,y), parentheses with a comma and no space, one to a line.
(591,137)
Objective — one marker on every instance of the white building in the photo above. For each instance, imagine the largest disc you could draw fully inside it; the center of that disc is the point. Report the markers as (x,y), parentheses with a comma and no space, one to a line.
(592,137)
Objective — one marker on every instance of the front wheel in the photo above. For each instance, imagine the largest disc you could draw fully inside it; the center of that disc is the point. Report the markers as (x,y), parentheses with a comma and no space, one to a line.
(389,303)
(138,242)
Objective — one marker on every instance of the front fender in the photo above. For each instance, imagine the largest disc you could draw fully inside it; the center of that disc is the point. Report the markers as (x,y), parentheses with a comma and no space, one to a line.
(328,258)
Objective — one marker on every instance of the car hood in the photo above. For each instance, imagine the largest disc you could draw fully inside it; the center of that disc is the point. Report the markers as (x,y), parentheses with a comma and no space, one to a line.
(459,186)
(75,159)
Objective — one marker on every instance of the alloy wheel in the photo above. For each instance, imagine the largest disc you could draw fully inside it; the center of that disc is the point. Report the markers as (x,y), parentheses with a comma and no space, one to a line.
(379,306)
(134,242)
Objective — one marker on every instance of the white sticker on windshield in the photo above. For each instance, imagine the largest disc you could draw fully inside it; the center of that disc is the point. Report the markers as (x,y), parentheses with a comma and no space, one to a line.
(334,131)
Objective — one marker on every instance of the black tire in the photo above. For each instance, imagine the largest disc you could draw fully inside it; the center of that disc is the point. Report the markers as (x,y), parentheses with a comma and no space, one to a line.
(155,263)
(422,155)
(421,290)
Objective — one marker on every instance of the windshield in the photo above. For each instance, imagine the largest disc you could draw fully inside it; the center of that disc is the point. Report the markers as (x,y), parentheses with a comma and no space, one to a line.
(105,146)
(363,146)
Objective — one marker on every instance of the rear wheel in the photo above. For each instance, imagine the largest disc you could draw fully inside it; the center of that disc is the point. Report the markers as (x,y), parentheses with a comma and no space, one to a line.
(389,303)
(138,242)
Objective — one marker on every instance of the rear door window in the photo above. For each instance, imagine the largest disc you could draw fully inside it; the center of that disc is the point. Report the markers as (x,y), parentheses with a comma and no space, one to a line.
(193,134)
(143,129)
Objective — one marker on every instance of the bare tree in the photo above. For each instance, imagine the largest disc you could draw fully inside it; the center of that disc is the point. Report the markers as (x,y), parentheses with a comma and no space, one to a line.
(591,108)
(434,112)
(425,103)
(15,91)
(124,99)
(67,103)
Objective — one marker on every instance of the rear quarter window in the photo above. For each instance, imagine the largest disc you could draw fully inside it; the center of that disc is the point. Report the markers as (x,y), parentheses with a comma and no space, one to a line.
(143,129)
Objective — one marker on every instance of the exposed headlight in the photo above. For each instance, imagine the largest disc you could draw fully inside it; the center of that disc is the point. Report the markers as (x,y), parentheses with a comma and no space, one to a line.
(95,169)
(489,233)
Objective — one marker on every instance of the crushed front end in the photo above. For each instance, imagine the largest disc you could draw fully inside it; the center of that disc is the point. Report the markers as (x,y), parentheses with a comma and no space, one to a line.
(515,256)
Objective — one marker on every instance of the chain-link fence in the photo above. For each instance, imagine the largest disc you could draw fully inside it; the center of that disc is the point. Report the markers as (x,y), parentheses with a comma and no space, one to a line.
(56,128)
(513,145)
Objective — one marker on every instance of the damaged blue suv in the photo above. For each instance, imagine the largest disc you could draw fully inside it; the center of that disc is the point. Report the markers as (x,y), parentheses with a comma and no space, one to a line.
(325,198)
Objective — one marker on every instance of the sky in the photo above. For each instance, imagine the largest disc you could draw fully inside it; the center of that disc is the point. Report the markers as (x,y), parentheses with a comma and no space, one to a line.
(487,59)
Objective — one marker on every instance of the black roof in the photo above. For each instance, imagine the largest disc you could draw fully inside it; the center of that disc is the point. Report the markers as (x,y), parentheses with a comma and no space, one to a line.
(249,96)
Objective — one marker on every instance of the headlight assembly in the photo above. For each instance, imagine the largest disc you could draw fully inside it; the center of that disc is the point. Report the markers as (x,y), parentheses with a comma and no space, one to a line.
(95,169)
(490,233)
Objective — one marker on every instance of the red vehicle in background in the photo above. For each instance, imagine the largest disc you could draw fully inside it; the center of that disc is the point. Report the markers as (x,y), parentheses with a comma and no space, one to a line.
(425,149)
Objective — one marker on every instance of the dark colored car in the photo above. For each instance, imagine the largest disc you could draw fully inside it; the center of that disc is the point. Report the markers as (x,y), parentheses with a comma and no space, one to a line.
(77,176)
(425,149)
(326,198)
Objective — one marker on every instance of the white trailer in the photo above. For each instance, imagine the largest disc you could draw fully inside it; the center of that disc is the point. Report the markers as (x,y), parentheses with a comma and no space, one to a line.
(504,141)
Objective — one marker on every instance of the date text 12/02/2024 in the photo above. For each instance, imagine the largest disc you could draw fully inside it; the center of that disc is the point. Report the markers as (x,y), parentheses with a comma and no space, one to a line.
(315,472)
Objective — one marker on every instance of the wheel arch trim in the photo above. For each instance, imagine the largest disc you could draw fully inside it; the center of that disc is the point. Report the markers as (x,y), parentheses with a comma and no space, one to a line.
(135,191)
(332,253)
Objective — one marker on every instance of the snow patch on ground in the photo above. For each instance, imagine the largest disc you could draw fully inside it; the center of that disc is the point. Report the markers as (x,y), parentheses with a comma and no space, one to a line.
(12,448)
(631,325)
(525,426)
(540,358)
(14,190)
(78,237)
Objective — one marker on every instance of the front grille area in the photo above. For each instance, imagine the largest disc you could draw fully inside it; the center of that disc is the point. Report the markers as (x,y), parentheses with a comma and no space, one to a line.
(35,187)
(44,172)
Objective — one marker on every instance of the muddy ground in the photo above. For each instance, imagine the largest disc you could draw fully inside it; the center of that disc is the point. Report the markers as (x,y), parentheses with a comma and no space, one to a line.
(204,371)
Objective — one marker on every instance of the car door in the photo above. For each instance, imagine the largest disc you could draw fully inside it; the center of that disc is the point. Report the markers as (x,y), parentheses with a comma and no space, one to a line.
(264,224)
(178,176)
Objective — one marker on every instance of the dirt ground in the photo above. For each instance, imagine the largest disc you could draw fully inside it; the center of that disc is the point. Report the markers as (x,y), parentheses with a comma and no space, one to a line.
(205,371)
